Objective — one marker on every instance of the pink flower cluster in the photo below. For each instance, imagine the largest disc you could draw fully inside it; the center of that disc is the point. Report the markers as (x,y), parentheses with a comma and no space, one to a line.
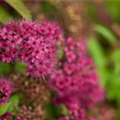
(76,81)
(75,78)
(32,43)
(5,90)
(9,41)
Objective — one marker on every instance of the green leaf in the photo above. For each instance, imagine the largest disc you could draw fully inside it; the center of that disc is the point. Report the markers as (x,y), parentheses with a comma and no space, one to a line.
(47,6)
(4,108)
(104,74)
(10,106)
(98,55)
(14,101)
(50,111)
(115,56)
(4,68)
(60,52)
(64,110)
(4,15)
(53,111)
(20,67)
(97,52)
(105,32)
(59,43)
(113,8)
(113,87)
(19,6)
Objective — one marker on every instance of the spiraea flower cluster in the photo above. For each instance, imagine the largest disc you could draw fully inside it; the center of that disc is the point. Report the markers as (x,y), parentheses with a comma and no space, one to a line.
(76,80)
(71,75)
(9,41)
(5,90)
(32,43)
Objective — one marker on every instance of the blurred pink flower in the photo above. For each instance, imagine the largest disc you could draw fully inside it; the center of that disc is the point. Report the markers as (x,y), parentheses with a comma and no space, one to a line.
(5,90)
(76,81)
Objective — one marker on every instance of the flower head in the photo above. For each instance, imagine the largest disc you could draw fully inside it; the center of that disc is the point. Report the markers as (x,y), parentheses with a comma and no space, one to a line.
(5,90)
(39,46)
(76,80)
(32,43)
(9,43)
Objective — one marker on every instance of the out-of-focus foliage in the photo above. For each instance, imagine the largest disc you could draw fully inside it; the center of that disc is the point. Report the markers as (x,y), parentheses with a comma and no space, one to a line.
(105,33)
(11,106)
(20,67)
(53,112)
(4,15)
(95,48)
(113,8)
(116,59)
(99,57)
(4,68)
(20,8)
(103,48)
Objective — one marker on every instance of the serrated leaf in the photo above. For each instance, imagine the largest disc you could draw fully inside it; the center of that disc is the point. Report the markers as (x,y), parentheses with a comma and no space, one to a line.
(4,15)
(105,32)
(19,6)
